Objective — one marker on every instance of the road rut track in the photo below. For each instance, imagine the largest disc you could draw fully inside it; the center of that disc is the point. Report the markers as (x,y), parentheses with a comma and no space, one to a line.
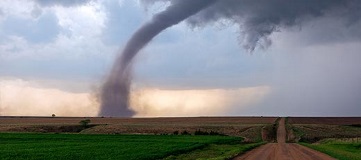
(282,150)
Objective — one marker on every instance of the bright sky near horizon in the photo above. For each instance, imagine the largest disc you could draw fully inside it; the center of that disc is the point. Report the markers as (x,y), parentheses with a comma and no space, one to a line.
(54,55)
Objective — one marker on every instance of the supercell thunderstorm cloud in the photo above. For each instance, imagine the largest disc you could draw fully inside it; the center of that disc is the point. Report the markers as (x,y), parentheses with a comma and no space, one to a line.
(256,20)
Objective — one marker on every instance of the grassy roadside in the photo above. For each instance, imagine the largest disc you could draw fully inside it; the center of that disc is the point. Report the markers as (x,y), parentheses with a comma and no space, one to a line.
(269,132)
(293,133)
(256,135)
(330,139)
(216,152)
(338,149)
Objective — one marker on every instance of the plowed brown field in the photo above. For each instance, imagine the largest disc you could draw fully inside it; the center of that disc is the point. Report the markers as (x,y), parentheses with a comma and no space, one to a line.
(248,127)
(165,120)
(325,120)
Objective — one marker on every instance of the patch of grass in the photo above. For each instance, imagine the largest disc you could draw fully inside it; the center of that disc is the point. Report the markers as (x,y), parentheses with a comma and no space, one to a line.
(293,134)
(343,149)
(269,133)
(216,152)
(211,133)
(82,146)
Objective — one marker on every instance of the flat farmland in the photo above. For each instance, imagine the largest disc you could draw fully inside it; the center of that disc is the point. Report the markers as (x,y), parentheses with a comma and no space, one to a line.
(184,137)
(247,127)
(313,129)
(325,120)
(130,138)
(110,120)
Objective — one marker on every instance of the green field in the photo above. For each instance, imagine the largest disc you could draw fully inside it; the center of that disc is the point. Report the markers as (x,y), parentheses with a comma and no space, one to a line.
(81,146)
(343,150)
(216,152)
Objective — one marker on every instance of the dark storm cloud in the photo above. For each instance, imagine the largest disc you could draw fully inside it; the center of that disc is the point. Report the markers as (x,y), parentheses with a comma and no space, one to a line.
(258,19)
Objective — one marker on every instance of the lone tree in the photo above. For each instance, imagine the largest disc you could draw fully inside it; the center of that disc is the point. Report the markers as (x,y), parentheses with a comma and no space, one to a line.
(84,123)
(53,115)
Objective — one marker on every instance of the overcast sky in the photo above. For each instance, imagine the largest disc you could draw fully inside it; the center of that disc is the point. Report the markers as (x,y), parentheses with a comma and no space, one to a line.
(307,66)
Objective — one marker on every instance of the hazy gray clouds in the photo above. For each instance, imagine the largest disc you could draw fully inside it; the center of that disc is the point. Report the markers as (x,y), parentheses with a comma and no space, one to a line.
(65,3)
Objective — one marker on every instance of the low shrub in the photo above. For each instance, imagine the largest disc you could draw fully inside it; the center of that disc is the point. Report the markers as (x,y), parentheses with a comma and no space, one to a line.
(185,133)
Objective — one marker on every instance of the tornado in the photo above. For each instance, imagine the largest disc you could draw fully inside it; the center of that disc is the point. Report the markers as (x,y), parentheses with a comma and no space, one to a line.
(114,95)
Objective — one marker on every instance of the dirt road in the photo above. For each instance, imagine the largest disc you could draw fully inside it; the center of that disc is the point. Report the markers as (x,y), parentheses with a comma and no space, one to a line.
(282,150)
